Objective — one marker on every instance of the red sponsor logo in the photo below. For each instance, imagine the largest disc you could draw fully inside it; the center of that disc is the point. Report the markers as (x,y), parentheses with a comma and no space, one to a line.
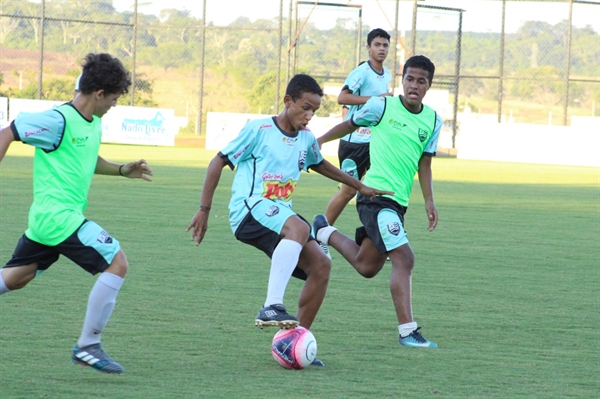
(265,126)
(36,131)
(277,190)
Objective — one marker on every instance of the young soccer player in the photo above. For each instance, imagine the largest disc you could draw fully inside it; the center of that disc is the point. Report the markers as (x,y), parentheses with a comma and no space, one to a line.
(368,79)
(270,155)
(404,139)
(67,140)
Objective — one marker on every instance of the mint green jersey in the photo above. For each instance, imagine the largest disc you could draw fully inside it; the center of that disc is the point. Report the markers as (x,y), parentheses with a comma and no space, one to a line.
(398,140)
(65,160)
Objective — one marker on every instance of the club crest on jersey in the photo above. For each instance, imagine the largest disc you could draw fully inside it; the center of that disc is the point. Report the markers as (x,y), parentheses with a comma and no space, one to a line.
(289,140)
(394,228)
(301,159)
(104,238)
(423,135)
(274,189)
(272,211)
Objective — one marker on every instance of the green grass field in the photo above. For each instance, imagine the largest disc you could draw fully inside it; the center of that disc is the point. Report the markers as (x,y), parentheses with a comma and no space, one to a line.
(508,286)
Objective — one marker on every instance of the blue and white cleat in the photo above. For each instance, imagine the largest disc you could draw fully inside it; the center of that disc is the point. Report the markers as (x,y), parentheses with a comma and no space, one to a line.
(95,357)
(416,340)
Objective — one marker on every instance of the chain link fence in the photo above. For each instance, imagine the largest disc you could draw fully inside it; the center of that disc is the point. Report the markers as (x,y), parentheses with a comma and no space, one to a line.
(526,65)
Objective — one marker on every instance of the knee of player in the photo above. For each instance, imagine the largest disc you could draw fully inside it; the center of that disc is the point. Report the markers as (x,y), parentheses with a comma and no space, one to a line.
(322,267)
(368,272)
(119,265)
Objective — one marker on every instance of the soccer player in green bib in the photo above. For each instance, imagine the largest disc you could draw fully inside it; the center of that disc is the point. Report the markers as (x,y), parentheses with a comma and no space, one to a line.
(404,135)
(67,141)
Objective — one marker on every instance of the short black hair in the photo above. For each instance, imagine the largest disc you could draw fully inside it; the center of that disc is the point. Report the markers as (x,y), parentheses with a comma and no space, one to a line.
(378,32)
(102,71)
(421,62)
(302,83)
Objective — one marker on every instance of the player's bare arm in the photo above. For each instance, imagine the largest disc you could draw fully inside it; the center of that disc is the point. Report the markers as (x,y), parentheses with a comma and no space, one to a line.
(346,97)
(327,169)
(6,138)
(336,132)
(199,223)
(426,183)
(133,170)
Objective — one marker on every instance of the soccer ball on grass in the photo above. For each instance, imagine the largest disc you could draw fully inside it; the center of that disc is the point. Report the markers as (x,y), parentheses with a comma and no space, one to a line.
(295,348)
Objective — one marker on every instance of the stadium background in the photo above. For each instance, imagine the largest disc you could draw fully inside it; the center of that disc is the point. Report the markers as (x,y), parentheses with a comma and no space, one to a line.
(543,73)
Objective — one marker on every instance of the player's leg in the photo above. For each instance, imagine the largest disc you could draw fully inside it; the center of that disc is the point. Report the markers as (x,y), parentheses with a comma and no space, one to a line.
(29,259)
(93,249)
(364,257)
(338,202)
(317,268)
(278,232)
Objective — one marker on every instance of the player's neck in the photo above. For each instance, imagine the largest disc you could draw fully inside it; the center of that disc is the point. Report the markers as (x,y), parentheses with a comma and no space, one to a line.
(85,105)
(376,65)
(414,108)
(284,123)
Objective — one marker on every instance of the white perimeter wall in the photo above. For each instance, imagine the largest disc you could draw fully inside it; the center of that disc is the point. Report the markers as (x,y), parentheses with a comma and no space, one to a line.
(578,144)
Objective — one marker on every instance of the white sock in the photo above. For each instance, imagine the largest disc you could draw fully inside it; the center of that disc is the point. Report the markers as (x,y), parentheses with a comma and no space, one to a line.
(324,233)
(283,262)
(405,329)
(100,306)
(3,288)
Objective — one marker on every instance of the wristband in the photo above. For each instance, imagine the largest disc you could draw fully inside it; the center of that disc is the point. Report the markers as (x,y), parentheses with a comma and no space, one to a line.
(120,168)
(205,208)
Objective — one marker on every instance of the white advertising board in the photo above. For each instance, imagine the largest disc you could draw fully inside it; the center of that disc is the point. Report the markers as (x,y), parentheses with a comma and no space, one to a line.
(18,105)
(222,127)
(137,125)
(3,112)
(121,124)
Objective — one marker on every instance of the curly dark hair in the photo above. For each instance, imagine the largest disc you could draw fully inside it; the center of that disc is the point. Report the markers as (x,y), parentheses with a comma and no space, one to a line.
(302,83)
(102,71)
(421,62)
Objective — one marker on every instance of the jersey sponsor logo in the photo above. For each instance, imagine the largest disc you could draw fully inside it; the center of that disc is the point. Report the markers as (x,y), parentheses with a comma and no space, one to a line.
(272,211)
(274,189)
(396,124)
(363,130)
(272,176)
(423,134)
(240,152)
(79,141)
(104,238)
(301,159)
(394,228)
(30,133)
(265,126)
(289,140)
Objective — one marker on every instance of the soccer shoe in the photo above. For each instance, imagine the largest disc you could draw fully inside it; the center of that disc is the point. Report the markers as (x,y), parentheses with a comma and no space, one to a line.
(317,363)
(416,340)
(325,249)
(275,316)
(319,222)
(95,357)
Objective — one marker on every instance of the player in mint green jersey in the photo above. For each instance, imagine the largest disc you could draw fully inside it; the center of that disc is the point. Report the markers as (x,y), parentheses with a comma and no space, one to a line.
(404,135)
(368,79)
(67,141)
(270,155)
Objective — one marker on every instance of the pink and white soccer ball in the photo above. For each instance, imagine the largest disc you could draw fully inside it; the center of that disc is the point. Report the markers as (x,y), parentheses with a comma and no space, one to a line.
(295,348)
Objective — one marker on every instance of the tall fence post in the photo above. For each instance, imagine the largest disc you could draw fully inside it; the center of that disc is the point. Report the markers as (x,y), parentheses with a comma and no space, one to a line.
(501,70)
(41,60)
(568,64)
(280,42)
(133,52)
(198,128)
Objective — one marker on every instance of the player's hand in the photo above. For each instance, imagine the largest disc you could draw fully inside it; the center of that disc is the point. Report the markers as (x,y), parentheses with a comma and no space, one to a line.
(432,215)
(198,225)
(372,192)
(137,170)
